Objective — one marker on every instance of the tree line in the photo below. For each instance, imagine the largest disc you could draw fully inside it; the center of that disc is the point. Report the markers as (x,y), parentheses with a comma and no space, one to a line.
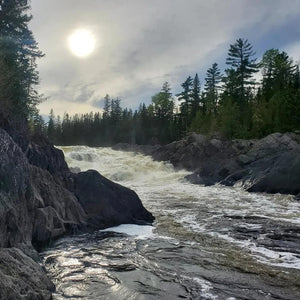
(231,104)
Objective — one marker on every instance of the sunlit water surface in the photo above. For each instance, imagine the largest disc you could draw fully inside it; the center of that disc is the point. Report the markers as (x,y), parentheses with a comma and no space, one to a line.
(206,243)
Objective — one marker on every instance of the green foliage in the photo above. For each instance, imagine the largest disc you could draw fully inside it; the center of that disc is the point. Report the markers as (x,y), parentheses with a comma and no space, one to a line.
(212,81)
(242,67)
(18,54)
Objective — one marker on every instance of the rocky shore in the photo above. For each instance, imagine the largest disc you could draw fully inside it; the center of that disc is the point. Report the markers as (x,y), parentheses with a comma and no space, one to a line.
(270,165)
(41,200)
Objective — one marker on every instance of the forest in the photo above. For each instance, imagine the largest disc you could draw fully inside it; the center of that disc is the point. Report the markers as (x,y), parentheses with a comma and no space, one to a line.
(230,105)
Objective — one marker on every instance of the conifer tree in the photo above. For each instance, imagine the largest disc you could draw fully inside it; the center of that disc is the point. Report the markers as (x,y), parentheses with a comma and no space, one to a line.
(212,81)
(18,54)
(195,96)
(242,66)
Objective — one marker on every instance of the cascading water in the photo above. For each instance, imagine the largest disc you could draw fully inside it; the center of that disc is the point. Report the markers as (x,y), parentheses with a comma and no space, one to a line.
(206,243)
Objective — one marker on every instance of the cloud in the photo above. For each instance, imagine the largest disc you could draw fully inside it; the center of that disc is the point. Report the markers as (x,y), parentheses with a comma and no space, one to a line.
(141,44)
(293,50)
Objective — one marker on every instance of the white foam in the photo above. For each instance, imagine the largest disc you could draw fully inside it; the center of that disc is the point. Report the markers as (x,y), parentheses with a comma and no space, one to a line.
(139,231)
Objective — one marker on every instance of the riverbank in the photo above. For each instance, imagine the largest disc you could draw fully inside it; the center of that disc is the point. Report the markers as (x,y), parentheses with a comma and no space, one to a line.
(42,200)
(270,165)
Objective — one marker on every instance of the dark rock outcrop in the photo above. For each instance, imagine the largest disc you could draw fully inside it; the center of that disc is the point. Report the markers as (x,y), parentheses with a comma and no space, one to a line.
(22,278)
(41,153)
(107,203)
(57,210)
(41,200)
(271,164)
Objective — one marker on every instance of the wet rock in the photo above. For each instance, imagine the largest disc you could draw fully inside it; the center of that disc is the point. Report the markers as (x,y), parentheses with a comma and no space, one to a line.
(22,278)
(83,157)
(107,203)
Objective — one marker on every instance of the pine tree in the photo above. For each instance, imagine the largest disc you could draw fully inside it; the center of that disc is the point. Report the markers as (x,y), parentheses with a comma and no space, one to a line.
(107,107)
(195,96)
(51,126)
(240,59)
(212,81)
(18,54)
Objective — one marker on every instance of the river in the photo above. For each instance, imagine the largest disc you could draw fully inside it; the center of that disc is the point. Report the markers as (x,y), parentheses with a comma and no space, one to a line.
(206,242)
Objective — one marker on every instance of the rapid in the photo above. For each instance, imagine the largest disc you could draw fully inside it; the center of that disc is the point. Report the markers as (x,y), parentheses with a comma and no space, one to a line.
(206,242)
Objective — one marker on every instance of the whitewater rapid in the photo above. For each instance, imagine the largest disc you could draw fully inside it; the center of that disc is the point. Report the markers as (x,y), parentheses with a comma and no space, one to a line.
(206,243)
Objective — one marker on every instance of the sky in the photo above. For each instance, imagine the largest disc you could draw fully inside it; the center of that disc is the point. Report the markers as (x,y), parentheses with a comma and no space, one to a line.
(140,44)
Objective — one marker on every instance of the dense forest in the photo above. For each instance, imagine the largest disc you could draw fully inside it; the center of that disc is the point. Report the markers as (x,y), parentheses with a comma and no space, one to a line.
(230,104)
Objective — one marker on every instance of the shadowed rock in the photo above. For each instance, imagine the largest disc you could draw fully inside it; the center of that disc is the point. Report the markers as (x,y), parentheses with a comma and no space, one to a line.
(107,203)
(22,278)
(270,165)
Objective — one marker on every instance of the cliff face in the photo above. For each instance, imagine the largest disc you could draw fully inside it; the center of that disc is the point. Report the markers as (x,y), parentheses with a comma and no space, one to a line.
(40,200)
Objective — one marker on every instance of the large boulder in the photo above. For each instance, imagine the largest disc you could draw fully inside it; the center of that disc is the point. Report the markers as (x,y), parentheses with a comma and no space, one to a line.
(107,203)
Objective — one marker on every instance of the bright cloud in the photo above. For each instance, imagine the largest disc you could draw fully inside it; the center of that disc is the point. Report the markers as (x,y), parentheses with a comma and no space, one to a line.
(140,44)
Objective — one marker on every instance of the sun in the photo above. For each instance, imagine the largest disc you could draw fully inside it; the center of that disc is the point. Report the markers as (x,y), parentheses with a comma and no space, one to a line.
(81,42)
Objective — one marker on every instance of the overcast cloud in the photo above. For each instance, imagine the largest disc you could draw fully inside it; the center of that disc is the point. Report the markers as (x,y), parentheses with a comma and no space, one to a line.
(142,43)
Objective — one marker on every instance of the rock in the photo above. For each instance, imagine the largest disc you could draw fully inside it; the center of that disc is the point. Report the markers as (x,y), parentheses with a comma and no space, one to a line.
(16,202)
(75,170)
(107,203)
(22,278)
(268,165)
(41,153)
(282,176)
(57,210)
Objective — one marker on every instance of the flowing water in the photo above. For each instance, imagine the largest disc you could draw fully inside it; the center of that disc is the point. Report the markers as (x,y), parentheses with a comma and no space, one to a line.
(206,242)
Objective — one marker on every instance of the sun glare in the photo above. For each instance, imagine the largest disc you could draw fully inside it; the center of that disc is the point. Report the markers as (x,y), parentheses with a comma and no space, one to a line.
(81,43)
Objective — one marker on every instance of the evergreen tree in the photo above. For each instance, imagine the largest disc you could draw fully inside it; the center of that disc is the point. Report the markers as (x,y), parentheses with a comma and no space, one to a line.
(18,54)
(195,96)
(163,103)
(51,126)
(107,107)
(212,81)
(240,59)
